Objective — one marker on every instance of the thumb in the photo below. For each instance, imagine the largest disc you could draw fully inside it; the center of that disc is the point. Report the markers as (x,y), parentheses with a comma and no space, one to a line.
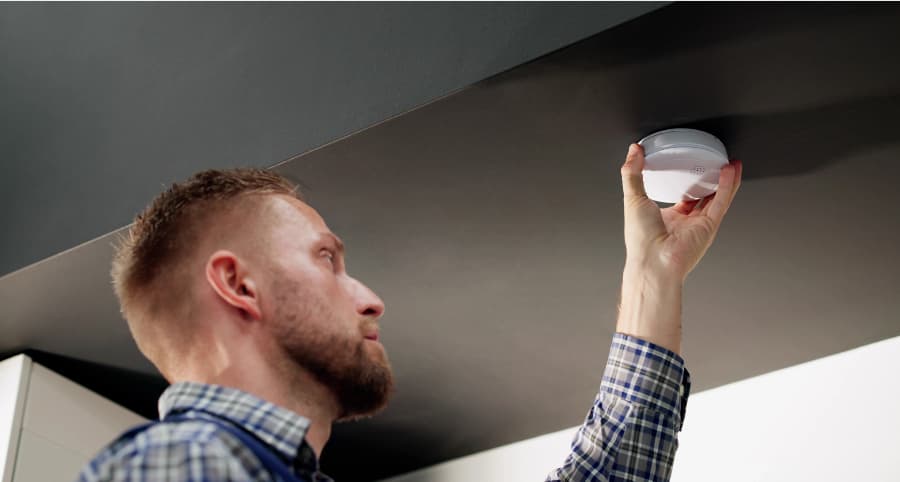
(632,176)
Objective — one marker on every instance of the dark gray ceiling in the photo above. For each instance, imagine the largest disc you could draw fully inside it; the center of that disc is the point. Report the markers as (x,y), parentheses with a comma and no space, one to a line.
(101,104)
(490,223)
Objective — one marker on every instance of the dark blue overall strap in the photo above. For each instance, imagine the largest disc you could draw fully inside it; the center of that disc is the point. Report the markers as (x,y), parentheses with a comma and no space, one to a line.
(270,461)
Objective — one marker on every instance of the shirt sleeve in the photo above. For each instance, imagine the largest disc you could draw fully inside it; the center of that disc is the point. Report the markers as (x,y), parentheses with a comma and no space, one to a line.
(630,432)
(166,455)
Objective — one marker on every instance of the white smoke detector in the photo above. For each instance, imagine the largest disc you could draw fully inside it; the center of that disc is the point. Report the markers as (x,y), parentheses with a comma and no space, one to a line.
(682,164)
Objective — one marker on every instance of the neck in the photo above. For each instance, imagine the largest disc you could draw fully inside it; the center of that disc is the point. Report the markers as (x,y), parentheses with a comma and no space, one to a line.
(289,387)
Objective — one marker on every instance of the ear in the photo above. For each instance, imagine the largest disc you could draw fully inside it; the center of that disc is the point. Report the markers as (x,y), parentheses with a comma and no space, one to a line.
(229,278)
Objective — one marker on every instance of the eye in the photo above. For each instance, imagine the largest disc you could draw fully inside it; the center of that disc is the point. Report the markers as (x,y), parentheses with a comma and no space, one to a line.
(329,255)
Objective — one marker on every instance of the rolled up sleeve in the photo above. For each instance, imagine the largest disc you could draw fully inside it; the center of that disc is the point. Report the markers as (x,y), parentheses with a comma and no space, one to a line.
(630,432)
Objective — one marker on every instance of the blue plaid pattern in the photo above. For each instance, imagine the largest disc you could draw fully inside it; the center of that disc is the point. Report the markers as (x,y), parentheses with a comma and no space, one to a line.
(630,432)
(197,450)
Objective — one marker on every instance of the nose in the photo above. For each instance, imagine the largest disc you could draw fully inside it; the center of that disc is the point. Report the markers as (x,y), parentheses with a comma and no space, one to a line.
(367,302)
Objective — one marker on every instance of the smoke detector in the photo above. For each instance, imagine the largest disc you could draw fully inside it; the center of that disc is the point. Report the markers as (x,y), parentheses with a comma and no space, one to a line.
(682,164)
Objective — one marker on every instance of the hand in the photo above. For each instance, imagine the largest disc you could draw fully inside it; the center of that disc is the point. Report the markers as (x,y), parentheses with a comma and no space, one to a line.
(670,242)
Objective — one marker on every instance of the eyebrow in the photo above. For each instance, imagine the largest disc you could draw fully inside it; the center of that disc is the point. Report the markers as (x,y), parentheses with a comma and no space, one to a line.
(336,240)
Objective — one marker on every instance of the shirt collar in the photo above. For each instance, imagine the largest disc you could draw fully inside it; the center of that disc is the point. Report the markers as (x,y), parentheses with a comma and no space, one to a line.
(279,427)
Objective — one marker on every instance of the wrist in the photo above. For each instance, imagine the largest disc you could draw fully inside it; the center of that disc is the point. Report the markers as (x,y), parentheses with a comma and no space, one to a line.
(653,268)
(650,307)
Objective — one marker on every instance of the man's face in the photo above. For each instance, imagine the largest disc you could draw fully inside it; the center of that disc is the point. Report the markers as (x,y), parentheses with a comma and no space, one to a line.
(324,320)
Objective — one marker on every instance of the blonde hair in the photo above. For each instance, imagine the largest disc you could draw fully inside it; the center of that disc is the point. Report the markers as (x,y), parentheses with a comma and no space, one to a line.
(151,261)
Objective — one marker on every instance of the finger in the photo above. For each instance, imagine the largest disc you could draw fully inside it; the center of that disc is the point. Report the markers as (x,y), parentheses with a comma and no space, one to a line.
(686,206)
(729,182)
(703,206)
(632,172)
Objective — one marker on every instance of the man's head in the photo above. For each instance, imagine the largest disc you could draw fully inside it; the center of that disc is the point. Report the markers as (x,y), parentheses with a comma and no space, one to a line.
(236,257)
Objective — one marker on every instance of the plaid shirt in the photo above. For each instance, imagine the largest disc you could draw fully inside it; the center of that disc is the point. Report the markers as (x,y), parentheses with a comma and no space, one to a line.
(199,451)
(629,433)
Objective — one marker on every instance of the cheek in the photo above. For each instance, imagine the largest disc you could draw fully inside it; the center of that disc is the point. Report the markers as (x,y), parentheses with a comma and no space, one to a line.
(329,287)
(295,298)
(315,299)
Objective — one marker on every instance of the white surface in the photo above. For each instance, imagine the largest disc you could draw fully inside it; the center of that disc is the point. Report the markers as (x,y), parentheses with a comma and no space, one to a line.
(41,459)
(71,415)
(13,377)
(832,419)
(681,137)
(682,164)
(51,426)
(528,460)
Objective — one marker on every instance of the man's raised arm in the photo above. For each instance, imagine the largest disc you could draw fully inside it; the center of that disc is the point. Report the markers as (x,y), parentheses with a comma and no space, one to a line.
(630,433)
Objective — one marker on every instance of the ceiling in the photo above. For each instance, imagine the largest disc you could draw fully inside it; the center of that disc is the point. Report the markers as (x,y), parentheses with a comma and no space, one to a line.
(489,222)
(102,103)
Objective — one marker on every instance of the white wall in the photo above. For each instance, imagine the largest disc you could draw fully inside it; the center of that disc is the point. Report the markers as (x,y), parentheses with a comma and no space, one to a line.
(832,419)
(528,460)
(61,422)
(835,418)
(13,376)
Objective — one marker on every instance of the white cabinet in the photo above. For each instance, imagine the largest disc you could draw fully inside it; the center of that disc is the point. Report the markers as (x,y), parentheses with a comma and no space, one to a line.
(50,426)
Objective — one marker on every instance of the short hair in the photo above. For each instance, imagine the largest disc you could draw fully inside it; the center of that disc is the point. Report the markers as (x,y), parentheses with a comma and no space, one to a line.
(150,257)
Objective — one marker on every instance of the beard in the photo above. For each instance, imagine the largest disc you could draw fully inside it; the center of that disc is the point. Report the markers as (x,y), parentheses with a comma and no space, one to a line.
(359,376)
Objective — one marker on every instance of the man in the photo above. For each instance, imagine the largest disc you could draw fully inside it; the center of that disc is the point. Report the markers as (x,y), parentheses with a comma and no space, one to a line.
(236,290)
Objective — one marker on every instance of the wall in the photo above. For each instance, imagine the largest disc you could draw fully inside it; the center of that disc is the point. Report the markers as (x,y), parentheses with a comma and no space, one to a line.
(831,419)
(56,419)
(13,373)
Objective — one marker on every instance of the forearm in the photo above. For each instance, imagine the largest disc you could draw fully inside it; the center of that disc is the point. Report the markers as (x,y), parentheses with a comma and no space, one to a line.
(650,307)
(631,431)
